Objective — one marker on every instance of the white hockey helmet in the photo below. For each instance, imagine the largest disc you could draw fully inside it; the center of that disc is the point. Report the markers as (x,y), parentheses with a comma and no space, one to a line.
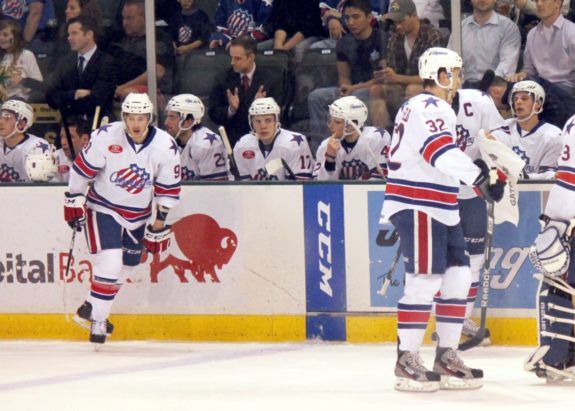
(263,106)
(186,104)
(41,162)
(350,109)
(137,103)
(531,87)
(22,110)
(435,58)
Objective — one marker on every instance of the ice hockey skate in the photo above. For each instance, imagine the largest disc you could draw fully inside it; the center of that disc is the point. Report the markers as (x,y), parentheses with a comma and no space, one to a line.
(559,374)
(455,375)
(98,333)
(83,318)
(412,375)
(470,330)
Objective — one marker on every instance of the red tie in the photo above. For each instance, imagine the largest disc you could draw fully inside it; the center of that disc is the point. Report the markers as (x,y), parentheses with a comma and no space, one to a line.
(245,83)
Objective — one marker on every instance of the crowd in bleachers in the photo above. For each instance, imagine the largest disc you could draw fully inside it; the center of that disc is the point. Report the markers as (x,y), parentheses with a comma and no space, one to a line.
(79,55)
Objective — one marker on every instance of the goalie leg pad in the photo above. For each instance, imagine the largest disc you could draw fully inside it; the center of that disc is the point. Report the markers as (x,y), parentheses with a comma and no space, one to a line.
(550,254)
(550,300)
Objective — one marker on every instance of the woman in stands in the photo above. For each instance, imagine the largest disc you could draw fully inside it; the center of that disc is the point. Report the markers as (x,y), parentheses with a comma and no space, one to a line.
(16,63)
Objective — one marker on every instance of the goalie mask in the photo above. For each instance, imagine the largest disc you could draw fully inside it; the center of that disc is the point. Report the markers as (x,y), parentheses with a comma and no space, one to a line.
(350,109)
(184,105)
(24,116)
(41,162)
(534,90)
(550,254)
(435,58)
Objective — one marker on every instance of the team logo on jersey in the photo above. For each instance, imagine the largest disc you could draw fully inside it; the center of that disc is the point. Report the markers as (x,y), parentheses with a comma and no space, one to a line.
(184,34)
(202,246)
(353,170)
(464,139)
(187,174)
(240,22)
(133,179)
(8,174)
(115,148)
(248,154)
(524,157)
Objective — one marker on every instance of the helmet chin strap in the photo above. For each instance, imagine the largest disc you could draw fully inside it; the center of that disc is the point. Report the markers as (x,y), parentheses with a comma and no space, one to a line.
(181,127)
(533,112)
(14,132)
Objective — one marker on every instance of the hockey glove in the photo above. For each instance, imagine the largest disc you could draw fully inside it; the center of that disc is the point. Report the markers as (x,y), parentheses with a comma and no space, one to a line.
(157,241)
(75,210)
(490,184)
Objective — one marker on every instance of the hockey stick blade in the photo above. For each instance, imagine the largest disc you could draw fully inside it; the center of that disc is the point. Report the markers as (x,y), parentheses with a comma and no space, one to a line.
(473,341)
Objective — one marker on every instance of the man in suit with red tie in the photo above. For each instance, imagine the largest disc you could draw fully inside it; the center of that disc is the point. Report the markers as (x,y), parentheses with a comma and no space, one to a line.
(244,82)
(87,78)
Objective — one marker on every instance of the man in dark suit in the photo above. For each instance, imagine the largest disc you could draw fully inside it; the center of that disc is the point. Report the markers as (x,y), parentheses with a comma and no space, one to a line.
(244,82)
(87,77)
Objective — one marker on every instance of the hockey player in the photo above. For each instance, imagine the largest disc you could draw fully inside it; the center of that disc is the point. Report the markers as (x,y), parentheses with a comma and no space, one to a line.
(203,155)
(535,141)
(80,135)
(16,145)
(425,168)
(475,111)
(353,151)
(553,256)
(269,152)
(126,166)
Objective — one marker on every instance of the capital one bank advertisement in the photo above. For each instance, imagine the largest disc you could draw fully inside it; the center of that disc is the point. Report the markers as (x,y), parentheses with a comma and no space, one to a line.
(221,258)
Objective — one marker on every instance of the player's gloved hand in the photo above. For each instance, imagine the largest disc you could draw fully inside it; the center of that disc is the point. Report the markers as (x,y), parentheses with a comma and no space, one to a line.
(490,184)
(157,241)
(75,210)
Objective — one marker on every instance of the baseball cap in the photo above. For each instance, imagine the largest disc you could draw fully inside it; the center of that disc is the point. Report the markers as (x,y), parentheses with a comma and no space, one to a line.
(400,9)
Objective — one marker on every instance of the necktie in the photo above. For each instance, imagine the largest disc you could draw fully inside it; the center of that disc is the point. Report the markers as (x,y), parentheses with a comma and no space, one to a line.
(81,64)
(245,83)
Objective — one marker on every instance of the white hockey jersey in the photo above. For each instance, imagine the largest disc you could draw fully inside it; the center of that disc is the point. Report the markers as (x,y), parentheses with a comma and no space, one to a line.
(64,167)
(13,160)
(127,176)
(425,165)
(251,157)
(475,111)
(561,202)
(361,161)
(204,157)
(539,148)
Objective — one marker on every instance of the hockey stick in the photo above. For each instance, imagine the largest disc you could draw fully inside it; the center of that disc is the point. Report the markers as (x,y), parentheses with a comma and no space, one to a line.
(96,118)
(289,170)
(67,272)
(387,276)
(485,279)
(67,132)
(233,165)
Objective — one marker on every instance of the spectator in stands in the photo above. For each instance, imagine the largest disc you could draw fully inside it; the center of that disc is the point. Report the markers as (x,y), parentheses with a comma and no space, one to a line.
(234,19)
(491,41)
(190,28)
(331,12)
(86,78)
(16,117)
(549,59)
(244,82)
(203,154)
(535,141)
(34,16)
(530,6)
(85,7)
(80,135)
(270,152)
(433,12)
(398,79)
(295,25)
(129,52)
(358,52)
(352,152)
(17,64)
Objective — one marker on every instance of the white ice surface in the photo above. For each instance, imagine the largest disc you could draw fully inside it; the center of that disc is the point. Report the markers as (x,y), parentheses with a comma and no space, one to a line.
(58,375)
